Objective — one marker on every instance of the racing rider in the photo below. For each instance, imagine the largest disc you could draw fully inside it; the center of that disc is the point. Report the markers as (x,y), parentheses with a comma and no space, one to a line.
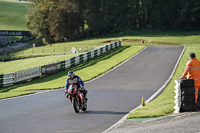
(74,79)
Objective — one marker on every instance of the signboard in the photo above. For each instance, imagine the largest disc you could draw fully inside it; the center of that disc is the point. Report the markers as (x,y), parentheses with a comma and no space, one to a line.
(14,33)
(51,68)
(27,74)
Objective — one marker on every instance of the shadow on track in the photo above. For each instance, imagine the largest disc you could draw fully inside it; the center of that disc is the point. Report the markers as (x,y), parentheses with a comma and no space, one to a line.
(105,112)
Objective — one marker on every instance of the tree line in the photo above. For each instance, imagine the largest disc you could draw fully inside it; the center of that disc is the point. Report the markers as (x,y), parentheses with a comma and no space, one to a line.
(58,20)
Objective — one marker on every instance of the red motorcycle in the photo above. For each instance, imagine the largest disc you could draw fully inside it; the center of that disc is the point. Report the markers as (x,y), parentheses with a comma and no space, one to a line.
(77,98)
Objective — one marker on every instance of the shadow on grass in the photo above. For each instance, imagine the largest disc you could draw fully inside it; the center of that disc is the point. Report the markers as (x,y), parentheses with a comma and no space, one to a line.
(64,73)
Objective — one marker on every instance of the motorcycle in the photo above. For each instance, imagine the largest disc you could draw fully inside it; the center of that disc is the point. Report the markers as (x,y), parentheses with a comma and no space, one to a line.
(77,98)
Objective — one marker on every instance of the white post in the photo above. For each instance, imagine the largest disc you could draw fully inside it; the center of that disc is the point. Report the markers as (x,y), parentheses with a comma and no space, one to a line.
(177,97)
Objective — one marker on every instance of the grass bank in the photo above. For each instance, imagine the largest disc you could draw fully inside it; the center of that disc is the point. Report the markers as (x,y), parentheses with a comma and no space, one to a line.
(13,15)
(87,71)
(23,64)
(164,104)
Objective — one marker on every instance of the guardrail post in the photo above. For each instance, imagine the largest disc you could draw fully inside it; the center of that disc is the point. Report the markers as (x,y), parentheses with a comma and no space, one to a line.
(95,53)
(77,60)
(1,80)
(72,62)
(62,65)
(107,49)
(88,55)
(81,58)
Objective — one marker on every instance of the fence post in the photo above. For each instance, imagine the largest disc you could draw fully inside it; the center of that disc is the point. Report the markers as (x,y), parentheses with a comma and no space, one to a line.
(62,65)
(88,55)
(95,53)
(120,42)
(1,80)
(77,60)
(72,62)
(81,58)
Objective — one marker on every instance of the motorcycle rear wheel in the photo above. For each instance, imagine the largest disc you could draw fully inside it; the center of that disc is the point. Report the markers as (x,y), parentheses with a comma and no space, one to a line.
(75,105)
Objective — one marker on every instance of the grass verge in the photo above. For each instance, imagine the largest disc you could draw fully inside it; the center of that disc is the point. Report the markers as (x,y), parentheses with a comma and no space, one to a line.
(164,104)
(86,71)
(7,67)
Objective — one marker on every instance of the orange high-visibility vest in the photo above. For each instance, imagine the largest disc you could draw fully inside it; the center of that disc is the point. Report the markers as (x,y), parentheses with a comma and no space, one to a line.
(192,69)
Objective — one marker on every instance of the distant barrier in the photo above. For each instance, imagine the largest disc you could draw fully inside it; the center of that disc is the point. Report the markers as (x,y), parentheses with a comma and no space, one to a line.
(10,79)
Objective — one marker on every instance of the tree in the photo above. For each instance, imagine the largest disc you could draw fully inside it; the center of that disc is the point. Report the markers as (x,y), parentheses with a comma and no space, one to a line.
(37,20)
(66,21)
(54,20)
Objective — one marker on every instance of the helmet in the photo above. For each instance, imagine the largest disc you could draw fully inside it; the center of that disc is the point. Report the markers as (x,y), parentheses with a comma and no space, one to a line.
(71,74)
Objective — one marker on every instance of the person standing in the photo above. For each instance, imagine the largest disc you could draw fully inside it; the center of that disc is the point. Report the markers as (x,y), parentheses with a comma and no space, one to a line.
(192,71)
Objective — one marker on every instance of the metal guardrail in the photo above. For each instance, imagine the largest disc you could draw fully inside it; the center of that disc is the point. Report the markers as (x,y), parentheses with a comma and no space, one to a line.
(10,79)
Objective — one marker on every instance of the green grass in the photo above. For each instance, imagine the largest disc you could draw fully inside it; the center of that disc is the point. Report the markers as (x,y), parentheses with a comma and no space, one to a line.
(54,49)
(61,48)
(7,67)
(128,37)
(86,71)
(164,104)
(160,38)
(13,15)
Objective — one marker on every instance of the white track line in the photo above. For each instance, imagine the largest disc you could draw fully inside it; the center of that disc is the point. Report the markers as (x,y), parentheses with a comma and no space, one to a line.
(113,127)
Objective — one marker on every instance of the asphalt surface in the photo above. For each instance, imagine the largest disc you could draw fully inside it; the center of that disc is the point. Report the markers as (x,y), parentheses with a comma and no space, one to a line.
(187,122)
(4,39)
(110,97)
(11,48)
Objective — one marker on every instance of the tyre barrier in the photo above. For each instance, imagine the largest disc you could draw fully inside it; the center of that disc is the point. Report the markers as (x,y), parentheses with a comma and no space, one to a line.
(185,95)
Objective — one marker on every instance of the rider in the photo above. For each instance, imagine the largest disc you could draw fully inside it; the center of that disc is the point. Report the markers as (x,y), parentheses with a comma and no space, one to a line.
(74,79)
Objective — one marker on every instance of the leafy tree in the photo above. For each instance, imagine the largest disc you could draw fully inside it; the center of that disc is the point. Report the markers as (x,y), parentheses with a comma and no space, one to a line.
(67,20)
(37,20)
(54,20)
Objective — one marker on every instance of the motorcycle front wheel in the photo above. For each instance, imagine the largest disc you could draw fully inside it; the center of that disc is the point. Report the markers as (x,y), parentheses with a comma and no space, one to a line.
(75,104)
(85,107)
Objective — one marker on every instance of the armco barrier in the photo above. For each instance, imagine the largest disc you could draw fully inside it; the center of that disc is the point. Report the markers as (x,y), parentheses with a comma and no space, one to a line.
(12,78)
(185,96)
(8,79)
(27,74)
(91,54)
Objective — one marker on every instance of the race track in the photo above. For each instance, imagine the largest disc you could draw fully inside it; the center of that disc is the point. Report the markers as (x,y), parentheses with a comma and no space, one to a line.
(110,97)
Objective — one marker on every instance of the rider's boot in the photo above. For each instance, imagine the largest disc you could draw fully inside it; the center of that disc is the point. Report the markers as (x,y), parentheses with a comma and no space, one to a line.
(66,94)
(85,94)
